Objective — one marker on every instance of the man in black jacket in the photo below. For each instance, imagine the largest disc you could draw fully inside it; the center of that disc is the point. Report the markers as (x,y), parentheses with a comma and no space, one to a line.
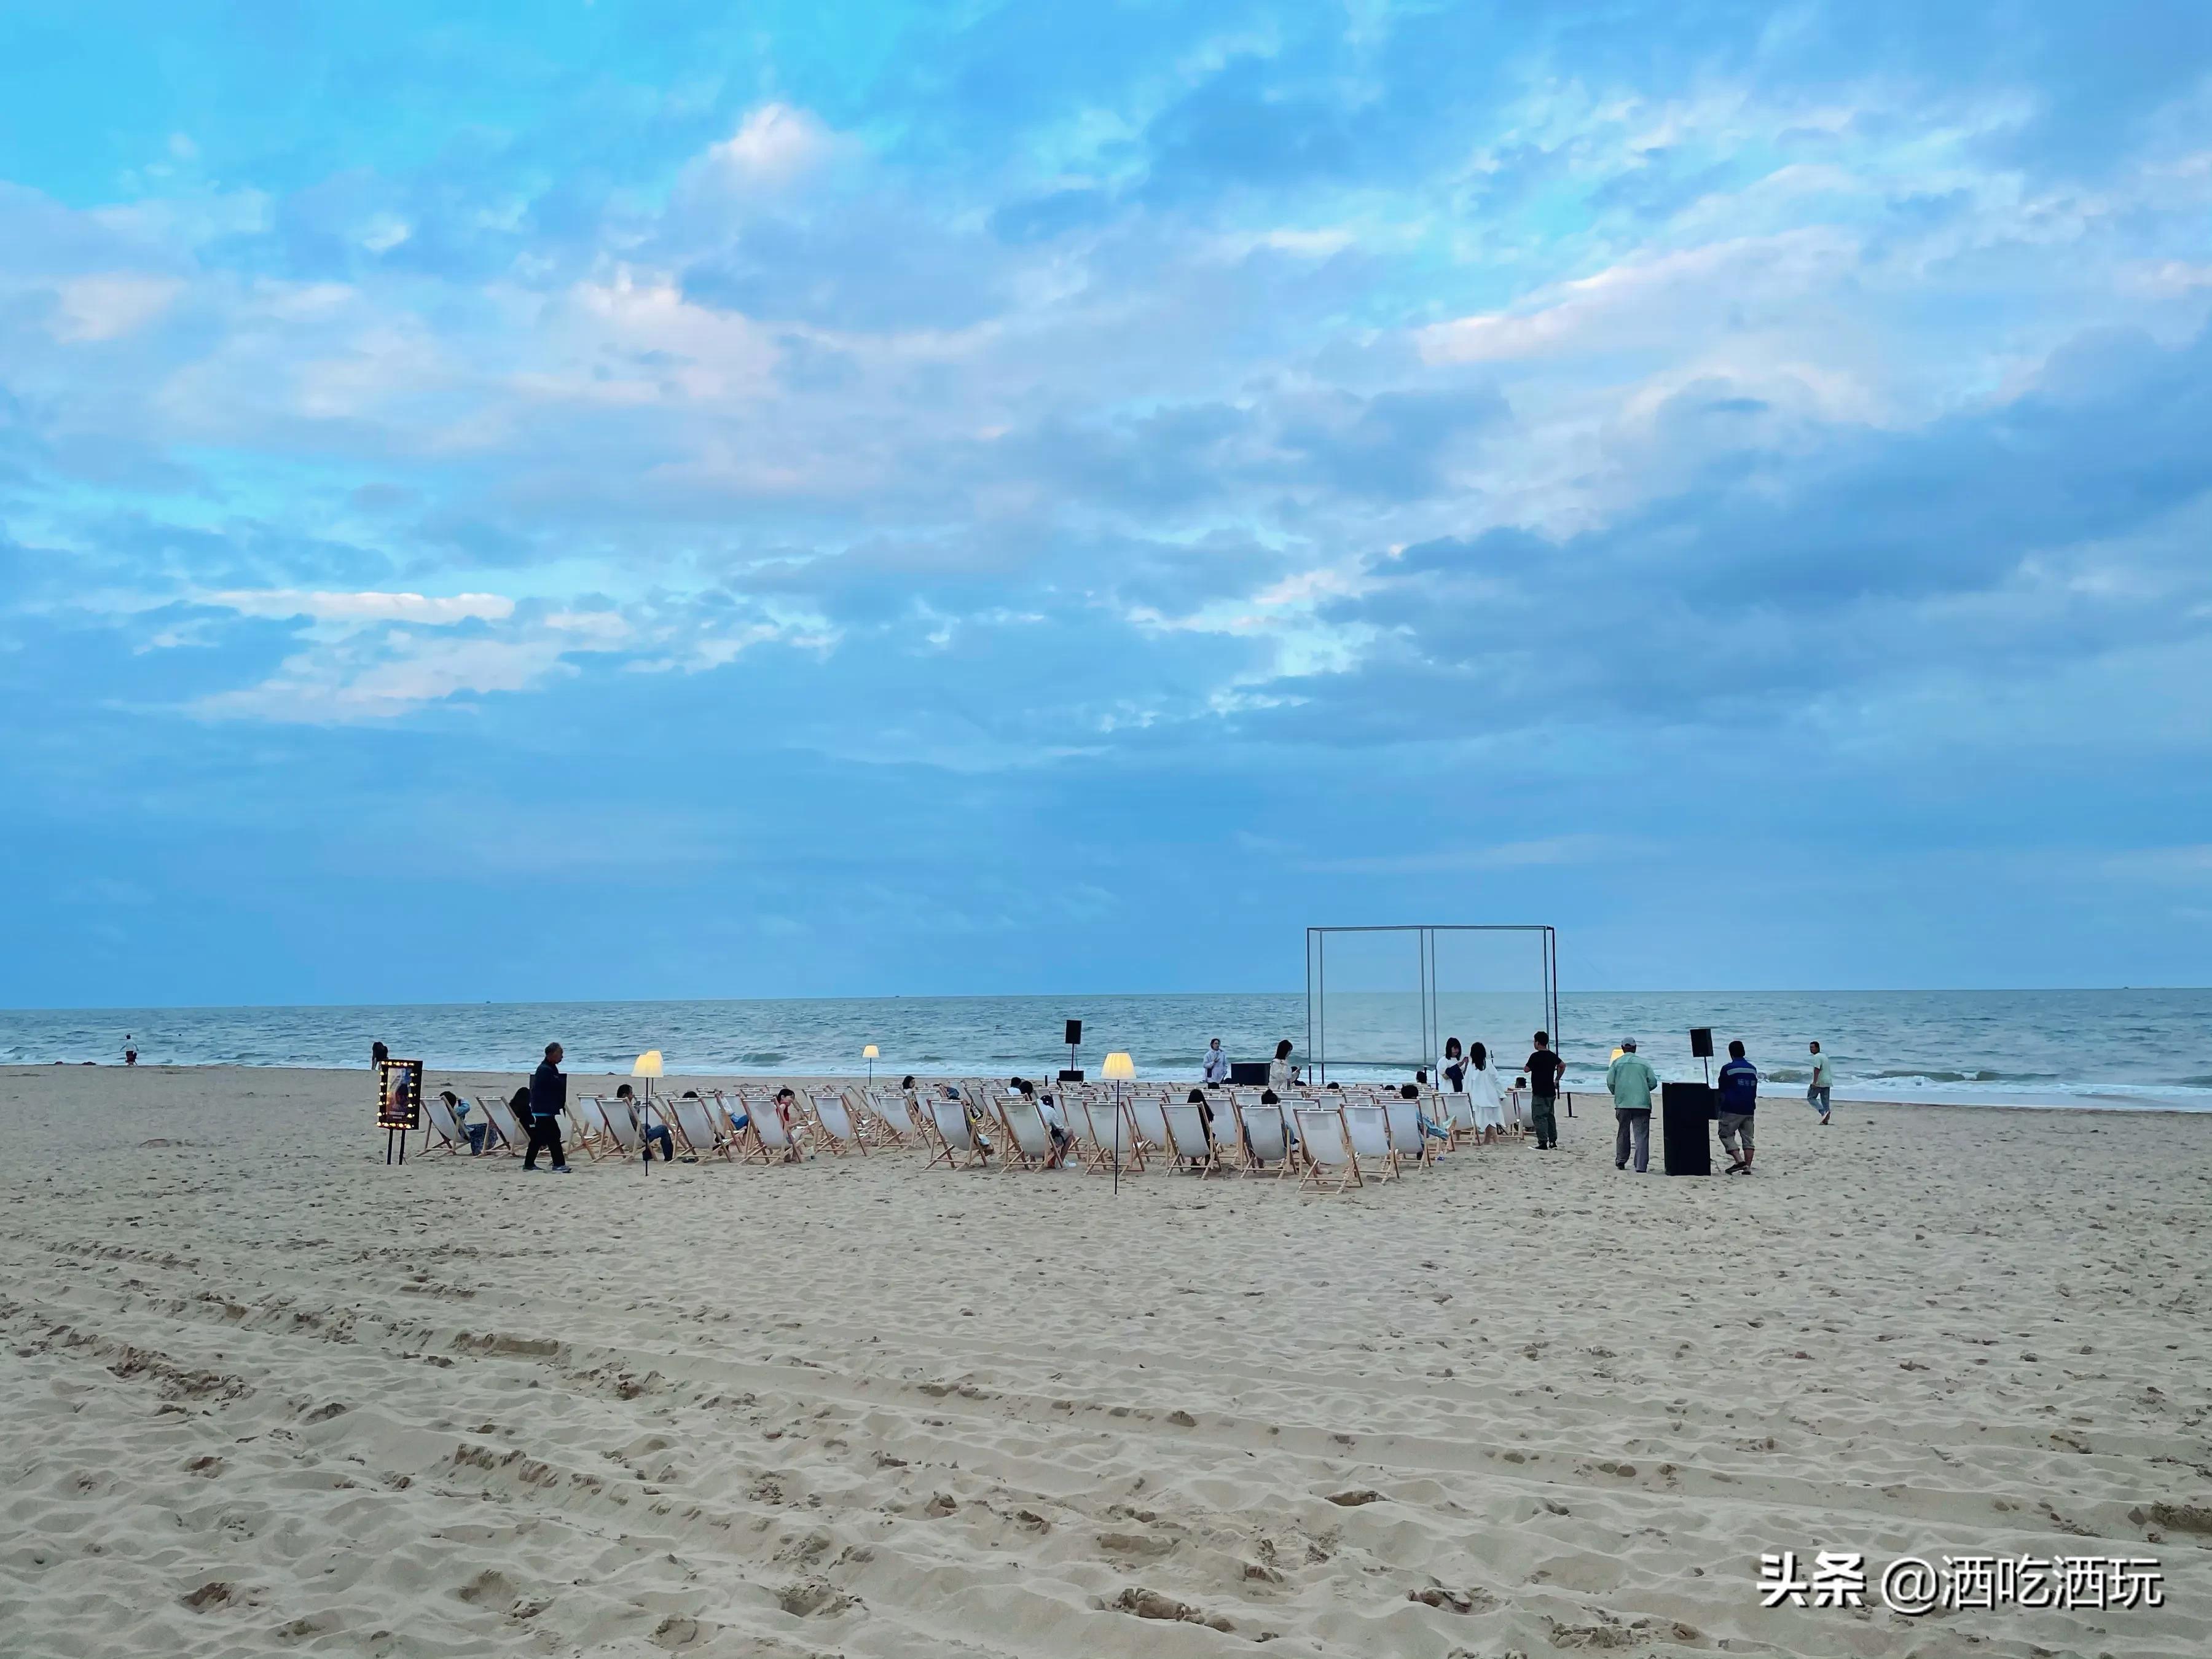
(549,1093)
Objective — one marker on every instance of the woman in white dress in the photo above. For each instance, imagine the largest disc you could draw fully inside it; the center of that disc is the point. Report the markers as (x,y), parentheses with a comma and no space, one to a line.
(1487,1094)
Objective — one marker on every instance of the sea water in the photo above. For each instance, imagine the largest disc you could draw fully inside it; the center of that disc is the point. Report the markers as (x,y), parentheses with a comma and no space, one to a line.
(2110,1047)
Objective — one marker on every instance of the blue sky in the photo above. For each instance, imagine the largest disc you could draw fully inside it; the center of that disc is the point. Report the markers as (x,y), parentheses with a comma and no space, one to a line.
(584,500)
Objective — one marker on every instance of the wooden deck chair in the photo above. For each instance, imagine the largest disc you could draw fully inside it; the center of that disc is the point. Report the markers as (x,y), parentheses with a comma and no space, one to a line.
(901,1116)
(1458,1108)
(1406,1140)
(584,1128)
(1029,1139)
(1268,1139)
(726,1114)
(623,1136)
(834,1130)
(696,1129)
(1187,1141)
(1368,1127)
(1229,1151)
(438,1121)
(955,1134)
(1092,1122)
(1327,1144)
(513,1137)
(768,1139)
(895,1117)
(1148,1121)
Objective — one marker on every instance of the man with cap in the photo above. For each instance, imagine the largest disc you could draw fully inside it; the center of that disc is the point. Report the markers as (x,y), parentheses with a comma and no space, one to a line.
(1631,1082)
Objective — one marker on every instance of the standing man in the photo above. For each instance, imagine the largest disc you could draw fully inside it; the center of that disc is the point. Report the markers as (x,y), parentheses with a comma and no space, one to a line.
(1739,1093)
(549,1093)
(1631,1082)
(1217,1063)
(1545,1069)
(1824,1077)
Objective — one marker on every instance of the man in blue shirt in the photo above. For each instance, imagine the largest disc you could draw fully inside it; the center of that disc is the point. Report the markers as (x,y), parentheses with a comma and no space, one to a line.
(1739,1093)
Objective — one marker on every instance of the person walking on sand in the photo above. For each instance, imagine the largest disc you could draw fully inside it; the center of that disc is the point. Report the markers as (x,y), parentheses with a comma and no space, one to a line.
(548,1093)
(1823,1079)
(1544,1068)
(1217,1063)
(1739,1093)
(1631,1081)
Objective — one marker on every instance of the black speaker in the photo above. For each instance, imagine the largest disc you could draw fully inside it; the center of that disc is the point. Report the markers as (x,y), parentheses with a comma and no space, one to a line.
(1701,1042)
(1074,1038)
(1071,1075)
(1685,1111)
(1248,1073)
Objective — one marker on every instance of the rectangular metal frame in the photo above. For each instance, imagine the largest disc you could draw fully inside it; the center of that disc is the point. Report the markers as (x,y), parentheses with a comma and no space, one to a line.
(1431,1039)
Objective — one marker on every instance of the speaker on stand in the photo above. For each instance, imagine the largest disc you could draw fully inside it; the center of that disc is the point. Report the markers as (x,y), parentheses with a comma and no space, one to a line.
(1074,1041)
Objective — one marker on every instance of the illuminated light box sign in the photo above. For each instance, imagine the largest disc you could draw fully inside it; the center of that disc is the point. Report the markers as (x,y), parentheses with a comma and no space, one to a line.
(399,1094)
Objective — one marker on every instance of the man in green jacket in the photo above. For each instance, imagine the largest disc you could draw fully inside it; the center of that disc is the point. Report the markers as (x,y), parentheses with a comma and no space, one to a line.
(1631,1082)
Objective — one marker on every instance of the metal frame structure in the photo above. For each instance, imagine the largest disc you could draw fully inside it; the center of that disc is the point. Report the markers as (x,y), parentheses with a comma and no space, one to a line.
(1432,1037)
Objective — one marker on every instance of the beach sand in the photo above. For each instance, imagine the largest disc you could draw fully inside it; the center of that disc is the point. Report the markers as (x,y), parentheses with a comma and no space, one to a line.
(262,1393)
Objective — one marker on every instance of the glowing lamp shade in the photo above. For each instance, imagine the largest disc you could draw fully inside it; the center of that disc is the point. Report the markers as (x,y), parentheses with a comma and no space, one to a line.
(872,1052)
(647,1063)
(1118,1065)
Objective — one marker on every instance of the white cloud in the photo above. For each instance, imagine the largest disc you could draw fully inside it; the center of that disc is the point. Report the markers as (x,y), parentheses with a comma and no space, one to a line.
(110,305)
(1650,300)
(776,144)
(364,608)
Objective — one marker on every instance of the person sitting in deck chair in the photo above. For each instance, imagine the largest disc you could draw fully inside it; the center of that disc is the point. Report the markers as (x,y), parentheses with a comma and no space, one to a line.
(1056,1121)
(974,1113)
(1269,1097)
(1197,1097)
(648,1131)
(1413,1092)
(476,1133)
(787,1103)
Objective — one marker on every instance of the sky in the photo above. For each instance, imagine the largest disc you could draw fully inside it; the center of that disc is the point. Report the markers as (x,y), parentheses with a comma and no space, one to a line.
(573,500)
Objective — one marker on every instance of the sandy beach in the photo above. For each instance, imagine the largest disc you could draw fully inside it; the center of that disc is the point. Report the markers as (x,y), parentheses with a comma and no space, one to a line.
(264,1395)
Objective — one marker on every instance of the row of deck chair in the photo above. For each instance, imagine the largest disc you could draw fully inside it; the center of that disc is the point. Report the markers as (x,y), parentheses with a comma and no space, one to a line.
(1324,1138)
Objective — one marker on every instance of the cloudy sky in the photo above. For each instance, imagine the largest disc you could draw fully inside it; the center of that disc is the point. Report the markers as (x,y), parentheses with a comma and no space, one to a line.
(577,500)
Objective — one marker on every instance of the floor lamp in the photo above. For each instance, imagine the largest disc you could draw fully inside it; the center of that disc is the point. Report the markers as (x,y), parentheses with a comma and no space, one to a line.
(1118,1066)
(646,1066)
(871,1054)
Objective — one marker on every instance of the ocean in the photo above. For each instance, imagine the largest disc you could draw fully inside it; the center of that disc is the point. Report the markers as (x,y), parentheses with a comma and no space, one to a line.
(2114,1048)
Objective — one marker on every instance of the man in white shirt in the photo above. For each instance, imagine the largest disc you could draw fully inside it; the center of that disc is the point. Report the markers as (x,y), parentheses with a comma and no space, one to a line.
(1217,1063)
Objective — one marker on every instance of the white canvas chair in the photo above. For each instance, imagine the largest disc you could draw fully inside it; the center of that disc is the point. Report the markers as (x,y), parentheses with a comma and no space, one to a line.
(1149,1121)
(1327,1144)
(956,1135)
(622,1132)
(1102,1134)
(1029,1139)
(504,1124)
(725,1116)
(1188,1140)
(1368,1130)
(1267,1139)
(1228,1151)
(586,1127)
(833,1129)
(1407,1140)
(1458,1118)
(893,1117)
(438,1120)
(695,1127)
(778,1144)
